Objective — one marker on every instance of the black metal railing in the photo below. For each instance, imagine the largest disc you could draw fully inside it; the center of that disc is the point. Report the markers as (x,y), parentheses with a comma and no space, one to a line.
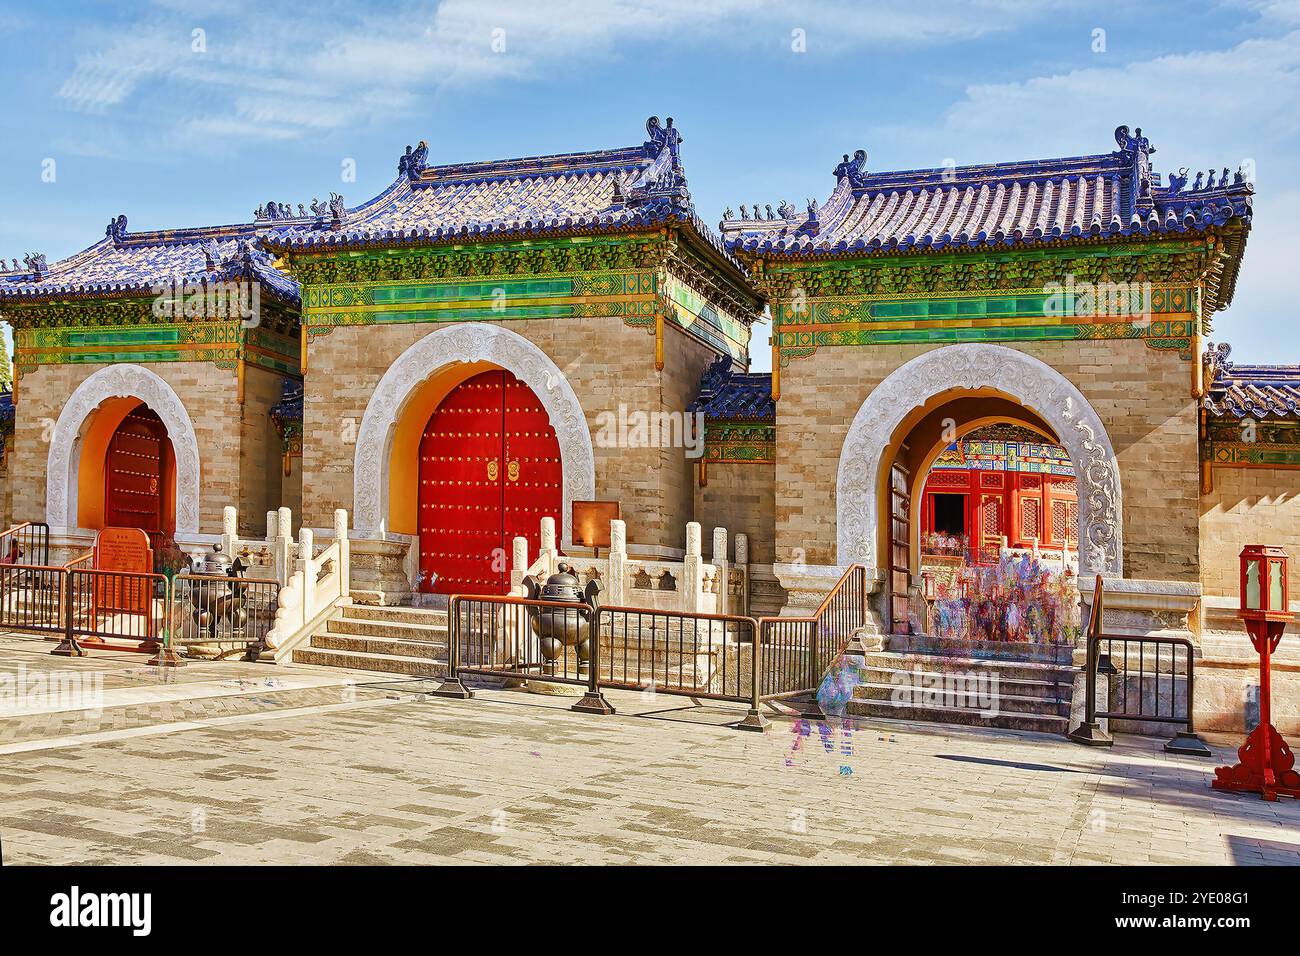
(797,651)
(26,543)
(1149,680)
(117,610)
(707,656)
(232,613)
(31,597)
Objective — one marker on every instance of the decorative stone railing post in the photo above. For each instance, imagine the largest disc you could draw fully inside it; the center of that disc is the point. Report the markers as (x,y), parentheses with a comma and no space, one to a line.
(283,546)
(548,553)
(305,564)
(345,552)
(614,589)
(272,523)
(518,563)
(722,585)
(692,569)
(742,565)
(230,531)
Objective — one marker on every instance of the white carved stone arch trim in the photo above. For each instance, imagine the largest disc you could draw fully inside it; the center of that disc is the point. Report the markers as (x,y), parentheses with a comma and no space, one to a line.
(1027,380)
(462,343)
(64,460)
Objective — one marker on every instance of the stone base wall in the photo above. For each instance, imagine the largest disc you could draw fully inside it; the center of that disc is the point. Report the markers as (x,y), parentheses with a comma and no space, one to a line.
(1142,395)
(208,394)
(261,468)
(1248,506)
(606,362)
(742,499)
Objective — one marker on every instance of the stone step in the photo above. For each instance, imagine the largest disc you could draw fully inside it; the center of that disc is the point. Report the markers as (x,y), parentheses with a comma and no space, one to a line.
(1013,670)
(1050,653)
(395,615)
(428,650)
(379,663)
(1003,703)
(396,631)
(1044,689)
(964,716)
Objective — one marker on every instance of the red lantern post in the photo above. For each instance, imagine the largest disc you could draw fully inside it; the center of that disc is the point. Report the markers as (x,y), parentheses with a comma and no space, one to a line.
(1267,764)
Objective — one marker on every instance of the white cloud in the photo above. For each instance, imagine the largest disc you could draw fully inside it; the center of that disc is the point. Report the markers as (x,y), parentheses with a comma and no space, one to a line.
(274,74)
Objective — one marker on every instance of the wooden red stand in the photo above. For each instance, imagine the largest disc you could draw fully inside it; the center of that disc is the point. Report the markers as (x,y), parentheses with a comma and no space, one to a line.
(1267,764)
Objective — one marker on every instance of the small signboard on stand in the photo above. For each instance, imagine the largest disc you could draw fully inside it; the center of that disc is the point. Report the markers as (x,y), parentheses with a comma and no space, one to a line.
(124,550)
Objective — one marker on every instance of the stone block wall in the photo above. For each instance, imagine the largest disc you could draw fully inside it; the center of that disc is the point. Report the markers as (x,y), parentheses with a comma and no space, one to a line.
(1142,395)
(261,468)
(1248,506)
(606,362)
(209,396)
(742,499)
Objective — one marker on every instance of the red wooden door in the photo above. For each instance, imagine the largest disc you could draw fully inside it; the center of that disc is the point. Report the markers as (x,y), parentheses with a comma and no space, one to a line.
(533,474)
(133,473)
(489,470)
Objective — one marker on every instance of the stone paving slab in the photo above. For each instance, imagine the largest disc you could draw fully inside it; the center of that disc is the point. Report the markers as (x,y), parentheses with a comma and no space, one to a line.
(390,775)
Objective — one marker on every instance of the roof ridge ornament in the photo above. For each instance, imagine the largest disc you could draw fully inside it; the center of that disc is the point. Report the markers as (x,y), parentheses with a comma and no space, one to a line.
(1216,362)
(211,255)
(1135,150)
(414,161)
(116,229)
(661,137)
(36,264)
(854,170)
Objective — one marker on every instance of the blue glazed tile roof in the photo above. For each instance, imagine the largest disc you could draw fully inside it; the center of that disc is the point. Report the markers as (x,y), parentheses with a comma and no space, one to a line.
(575,193)
(289,407)
(125,263)
(995,205)
(728,395)
(1251,391)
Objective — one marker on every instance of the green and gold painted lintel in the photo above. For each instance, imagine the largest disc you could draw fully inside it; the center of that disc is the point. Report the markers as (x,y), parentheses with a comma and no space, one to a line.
(739,442)
(690,310)
(1250,454)
(965,308)
(740,453)
(486,293)
(536,257)
(1169,334)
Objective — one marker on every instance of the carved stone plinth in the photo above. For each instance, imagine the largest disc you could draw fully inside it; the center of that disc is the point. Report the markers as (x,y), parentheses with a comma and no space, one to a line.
(379,572)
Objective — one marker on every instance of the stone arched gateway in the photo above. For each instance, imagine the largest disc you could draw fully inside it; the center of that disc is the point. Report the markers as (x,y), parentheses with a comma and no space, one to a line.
(467,343)
(1029,381)
(64,460)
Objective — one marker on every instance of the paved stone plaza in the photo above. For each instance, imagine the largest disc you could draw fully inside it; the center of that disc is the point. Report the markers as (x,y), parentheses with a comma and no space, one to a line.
(236,763)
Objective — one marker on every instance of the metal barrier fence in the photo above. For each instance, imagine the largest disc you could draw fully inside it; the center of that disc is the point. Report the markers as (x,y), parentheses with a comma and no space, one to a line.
(1141,687)
(93,609)
(232,611)
(26,543)
(706,656)
(113,610)
(797,651)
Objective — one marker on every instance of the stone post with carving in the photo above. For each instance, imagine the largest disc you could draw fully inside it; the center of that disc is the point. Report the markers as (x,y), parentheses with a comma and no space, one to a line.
(282,546)
(345,553)
(742,565)
(615,583)
(229,531)
(722,582)
(692,569)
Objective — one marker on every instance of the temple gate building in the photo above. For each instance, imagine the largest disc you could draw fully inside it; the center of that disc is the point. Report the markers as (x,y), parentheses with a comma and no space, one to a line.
(1014,355)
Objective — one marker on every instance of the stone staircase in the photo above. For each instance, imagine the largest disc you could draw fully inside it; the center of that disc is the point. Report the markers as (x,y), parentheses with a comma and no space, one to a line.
(969,686)
(389,640)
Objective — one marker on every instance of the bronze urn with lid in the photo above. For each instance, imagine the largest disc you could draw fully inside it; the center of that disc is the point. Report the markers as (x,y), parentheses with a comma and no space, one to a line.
(561,627)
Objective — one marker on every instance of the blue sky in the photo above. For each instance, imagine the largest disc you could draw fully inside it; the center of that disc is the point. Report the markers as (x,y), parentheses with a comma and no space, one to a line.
(144,116)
